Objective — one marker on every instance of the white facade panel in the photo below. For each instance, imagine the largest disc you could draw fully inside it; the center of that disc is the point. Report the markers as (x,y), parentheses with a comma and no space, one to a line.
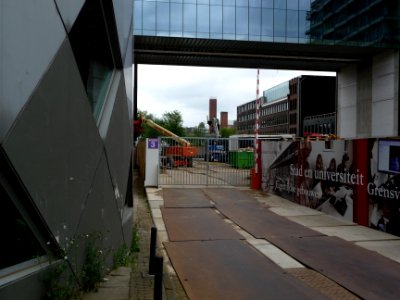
(383,87)
(383,119)
(69,10)
(123,10)
(347,87)
(385,95)
(31,34)
(347,122)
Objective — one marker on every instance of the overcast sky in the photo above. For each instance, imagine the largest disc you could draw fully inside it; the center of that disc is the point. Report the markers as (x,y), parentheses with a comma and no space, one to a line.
(188,89)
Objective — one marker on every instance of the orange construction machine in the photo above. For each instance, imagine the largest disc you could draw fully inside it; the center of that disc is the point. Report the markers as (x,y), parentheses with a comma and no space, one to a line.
(176,156)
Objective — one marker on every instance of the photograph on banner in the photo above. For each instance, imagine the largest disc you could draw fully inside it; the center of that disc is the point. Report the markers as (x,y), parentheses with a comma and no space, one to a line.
(316,174)
(384,185)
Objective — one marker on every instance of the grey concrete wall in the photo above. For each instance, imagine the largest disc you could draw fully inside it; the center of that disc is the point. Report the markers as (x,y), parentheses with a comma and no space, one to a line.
(385,95)
(368,97)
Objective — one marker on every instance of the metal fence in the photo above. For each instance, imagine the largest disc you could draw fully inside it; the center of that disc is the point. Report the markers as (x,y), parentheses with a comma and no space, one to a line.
(206,161)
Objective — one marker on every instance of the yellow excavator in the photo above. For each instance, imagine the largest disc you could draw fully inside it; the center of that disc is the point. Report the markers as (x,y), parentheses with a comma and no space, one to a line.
(179,155)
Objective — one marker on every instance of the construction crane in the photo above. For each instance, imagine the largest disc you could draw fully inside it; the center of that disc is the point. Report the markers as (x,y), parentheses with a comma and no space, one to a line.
(176,155)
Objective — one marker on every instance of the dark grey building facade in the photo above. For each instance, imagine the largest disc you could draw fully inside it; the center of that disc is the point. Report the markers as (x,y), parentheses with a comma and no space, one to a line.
(65,137)
(293,107)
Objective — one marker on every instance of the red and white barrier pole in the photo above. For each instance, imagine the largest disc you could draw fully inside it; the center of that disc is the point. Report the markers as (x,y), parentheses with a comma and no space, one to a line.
(256,174)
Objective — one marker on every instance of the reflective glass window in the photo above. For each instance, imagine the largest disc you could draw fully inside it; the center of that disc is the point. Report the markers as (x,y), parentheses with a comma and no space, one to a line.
(163,16)
(149,11)
(279,22)
(280,4)
(267,27)
(255,3)
(137,18)
(228,19)
(215,2)
(18,243)
(242,20)
(267,3)
(255,21)
(293,4)
(203,2)
(242,2)
(189,1)
(229,2)
(216,19)
(303,24)
(189,18)
(292,29)
(304,4)
(95,56)
(176,17)
(203,18)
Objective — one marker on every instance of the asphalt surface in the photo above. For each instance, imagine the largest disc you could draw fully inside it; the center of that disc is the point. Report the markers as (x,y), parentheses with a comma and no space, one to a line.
(227,243)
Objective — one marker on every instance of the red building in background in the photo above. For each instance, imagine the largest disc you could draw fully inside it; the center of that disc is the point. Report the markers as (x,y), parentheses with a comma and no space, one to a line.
(224,119)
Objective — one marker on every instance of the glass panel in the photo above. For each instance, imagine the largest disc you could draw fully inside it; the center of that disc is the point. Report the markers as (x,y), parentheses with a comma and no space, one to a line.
(229,19)
(137,19)
(97,85)
(149,11)
(279,23)
(304,25)
(203,2)
(176,17)
(280,4)
(255,21)
(163,16)
(229,3)
(304,5)
(242,2)
(267,3)
(216,19)
(18,243)
(292,24)
(293,4)
(255,3)
(189,18)
(215,2)
(242,20)
(203,18)
(267,23)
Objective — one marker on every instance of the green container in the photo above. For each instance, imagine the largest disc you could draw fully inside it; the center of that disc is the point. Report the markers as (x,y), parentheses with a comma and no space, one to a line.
(241,159)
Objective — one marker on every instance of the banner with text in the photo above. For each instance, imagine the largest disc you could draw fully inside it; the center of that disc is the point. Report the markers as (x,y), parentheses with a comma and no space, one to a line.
(351,179)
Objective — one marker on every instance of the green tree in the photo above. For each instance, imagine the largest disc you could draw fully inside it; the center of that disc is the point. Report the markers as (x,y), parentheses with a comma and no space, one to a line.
(227,132)
(199,131)
(171,121)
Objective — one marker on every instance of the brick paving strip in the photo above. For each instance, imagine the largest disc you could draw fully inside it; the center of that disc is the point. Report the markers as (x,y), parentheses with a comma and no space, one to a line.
(134,283)
(142,284)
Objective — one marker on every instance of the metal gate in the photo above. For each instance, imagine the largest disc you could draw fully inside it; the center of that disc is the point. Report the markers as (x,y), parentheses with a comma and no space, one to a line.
(206,161)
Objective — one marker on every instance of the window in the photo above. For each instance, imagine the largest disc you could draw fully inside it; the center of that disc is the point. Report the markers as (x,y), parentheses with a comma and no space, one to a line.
(89,39)
(23,233)
(18,241)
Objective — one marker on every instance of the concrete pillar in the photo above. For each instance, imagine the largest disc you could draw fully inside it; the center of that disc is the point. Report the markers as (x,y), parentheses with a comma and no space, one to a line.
(385,94)
(368,96)
(347,102)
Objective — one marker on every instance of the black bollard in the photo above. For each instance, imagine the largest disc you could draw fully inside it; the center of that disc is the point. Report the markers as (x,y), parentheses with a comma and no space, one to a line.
(158,278)
(153,239)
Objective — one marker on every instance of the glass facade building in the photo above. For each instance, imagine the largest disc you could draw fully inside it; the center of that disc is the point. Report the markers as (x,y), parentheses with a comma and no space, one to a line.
(279,21)
(278,92)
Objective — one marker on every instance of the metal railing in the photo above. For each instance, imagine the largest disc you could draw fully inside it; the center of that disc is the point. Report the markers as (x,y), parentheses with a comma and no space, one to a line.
(206,161)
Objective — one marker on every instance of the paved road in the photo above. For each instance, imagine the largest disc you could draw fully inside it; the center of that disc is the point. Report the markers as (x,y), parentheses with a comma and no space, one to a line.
(229,243)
